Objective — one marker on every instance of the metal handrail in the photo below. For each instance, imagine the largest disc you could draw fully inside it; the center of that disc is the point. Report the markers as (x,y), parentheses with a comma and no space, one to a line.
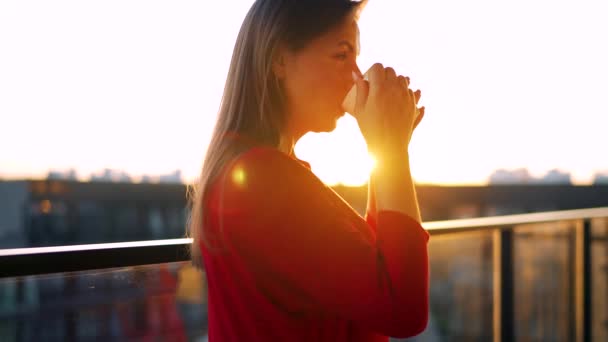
(40,260)
(488,223)
(95,246)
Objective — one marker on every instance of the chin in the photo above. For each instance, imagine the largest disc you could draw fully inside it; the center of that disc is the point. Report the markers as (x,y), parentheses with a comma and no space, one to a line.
(326,123)
(327,126)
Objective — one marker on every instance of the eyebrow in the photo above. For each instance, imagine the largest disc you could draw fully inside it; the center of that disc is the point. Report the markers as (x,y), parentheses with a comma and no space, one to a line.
(348,45)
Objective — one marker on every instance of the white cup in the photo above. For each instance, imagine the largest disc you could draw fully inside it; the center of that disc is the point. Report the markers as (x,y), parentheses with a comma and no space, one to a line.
(350,100)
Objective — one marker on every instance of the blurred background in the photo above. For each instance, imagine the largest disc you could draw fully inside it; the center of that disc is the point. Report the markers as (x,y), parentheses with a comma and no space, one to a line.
(106,109)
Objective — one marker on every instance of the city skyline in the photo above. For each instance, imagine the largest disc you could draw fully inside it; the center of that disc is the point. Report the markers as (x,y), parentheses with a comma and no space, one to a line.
(499,176)
(123,85)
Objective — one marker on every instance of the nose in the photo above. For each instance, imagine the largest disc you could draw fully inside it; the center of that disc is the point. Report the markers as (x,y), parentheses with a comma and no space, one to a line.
(357,70)
(354,68)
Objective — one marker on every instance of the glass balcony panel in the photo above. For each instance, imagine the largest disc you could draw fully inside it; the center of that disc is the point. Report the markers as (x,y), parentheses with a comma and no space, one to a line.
(544,281)
(461,288)
(157,302)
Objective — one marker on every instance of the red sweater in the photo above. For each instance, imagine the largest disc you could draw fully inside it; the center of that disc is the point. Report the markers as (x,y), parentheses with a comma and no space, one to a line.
(288,259)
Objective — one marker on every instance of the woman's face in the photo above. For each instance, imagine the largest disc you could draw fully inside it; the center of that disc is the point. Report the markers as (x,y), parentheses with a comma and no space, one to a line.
(317,78)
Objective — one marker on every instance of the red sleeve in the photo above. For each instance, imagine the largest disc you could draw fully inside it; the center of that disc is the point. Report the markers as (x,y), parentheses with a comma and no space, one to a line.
(309,251)
(370,211)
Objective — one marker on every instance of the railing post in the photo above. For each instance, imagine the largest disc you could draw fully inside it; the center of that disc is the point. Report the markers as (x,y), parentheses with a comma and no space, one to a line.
(583,275)
(504,327)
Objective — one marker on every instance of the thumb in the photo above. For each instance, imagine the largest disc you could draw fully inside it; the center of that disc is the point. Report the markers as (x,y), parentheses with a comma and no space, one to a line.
(362,92)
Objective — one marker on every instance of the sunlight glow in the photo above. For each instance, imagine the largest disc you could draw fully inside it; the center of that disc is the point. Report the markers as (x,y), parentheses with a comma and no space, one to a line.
(339,157)
(239,176)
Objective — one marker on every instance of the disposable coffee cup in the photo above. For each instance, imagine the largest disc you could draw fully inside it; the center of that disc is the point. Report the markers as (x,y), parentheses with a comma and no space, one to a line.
(350,100)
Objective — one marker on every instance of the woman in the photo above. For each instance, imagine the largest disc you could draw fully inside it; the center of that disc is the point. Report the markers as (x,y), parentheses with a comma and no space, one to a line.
(286,258)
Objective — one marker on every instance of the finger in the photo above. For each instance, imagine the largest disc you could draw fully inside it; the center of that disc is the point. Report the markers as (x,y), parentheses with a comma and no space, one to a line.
(417,95)
(402,81)
(377,75)
(390,74)
(409,91)
(411,95)
(422,110)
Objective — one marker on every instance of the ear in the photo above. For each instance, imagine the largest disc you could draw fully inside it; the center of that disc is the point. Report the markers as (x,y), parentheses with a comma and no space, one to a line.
(278,63)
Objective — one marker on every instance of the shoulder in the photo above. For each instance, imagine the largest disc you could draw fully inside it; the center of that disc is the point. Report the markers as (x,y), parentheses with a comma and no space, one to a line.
(264,172)
(263,157)
(266,164)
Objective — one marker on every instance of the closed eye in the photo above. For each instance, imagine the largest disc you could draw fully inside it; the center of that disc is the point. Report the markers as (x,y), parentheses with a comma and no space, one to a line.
(341,56)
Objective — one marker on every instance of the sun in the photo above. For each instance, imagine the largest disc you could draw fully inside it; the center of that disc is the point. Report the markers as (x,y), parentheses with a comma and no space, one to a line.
(339,157)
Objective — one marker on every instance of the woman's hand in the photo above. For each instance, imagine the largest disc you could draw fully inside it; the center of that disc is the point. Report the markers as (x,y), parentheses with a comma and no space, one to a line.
(386,109)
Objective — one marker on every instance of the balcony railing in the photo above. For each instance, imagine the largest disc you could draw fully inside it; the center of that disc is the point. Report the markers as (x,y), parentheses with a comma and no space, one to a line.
(530,277)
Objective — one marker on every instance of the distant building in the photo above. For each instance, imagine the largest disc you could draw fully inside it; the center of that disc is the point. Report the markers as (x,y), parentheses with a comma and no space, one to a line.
(175,177)
(62,175)
(172,178)
(517,176)
(60,212)
(109,175)
(600,178)
(36,213)
(556,176)
(147,179)
(522,176)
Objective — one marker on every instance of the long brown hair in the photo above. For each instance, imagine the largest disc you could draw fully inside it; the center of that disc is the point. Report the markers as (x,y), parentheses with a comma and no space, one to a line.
(253,104)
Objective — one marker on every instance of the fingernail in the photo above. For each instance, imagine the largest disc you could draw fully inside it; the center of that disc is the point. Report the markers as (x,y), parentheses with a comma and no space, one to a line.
(355,76)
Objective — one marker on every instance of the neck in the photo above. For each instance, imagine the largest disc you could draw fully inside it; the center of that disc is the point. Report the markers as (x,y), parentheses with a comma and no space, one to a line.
(287,144)
(289,138)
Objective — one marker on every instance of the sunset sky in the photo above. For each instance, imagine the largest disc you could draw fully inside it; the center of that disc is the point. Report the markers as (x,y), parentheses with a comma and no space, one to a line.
(135,85)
